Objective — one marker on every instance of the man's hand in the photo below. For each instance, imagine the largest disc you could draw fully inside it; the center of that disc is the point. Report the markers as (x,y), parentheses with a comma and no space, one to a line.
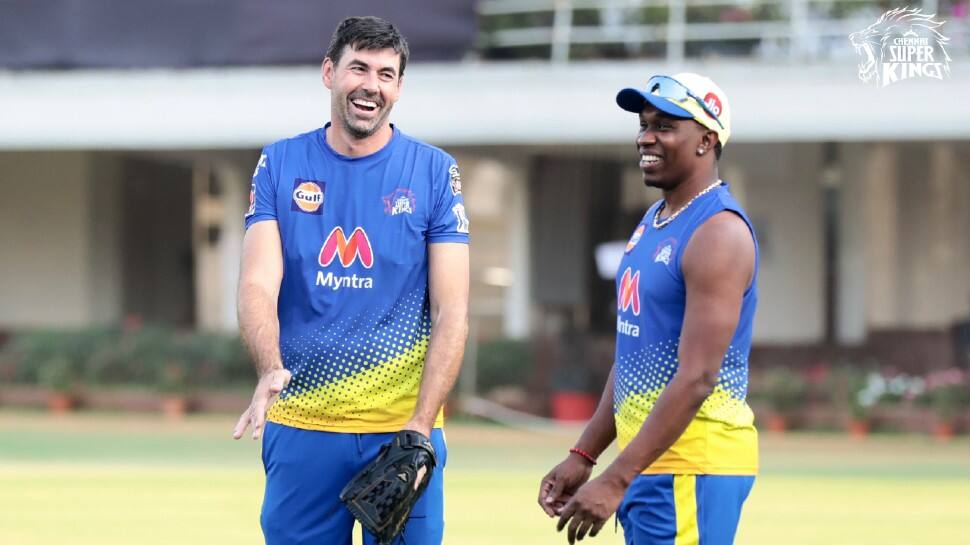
(425,430)
(591,507)
(559,485)
(383,493)
(269,385)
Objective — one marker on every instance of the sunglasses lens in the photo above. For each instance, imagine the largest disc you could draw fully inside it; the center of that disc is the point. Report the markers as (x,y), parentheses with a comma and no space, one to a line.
(667,88)
(672,89)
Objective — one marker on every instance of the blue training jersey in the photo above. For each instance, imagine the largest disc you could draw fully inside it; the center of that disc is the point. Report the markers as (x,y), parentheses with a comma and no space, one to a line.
(651,300)
(353,304)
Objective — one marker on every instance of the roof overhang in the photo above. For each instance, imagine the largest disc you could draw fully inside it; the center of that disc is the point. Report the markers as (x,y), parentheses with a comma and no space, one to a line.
(464,104)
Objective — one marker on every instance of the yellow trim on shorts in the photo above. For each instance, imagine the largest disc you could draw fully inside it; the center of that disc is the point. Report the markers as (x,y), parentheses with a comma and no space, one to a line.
(685,509)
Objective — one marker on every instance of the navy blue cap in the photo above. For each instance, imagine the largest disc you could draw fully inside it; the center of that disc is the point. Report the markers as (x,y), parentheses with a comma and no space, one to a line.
(633,100)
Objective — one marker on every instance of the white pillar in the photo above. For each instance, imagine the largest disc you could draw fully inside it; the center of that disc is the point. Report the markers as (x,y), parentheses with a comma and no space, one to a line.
(217,261)
(517,304)
(235,201)
(882,194)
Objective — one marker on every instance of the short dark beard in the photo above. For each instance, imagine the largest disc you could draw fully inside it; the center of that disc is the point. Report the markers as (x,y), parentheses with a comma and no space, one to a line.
(355,132)
(359,134)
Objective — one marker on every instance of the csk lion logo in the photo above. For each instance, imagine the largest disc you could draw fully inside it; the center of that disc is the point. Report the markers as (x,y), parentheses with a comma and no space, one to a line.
(904,43)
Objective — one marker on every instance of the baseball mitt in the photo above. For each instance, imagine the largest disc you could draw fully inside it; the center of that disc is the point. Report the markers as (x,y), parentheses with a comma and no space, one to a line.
(382,494)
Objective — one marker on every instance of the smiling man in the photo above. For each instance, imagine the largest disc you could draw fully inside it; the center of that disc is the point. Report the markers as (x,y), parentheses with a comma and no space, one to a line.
(686,297)
(353,297)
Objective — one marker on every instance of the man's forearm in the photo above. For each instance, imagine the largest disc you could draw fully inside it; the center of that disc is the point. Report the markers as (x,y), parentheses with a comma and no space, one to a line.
(601,429)
(260,327)
(442,363)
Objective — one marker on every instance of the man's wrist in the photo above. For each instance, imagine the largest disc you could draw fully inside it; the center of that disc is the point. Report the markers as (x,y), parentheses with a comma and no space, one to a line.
(583,455)
(419,426)
(621,473)
(270,369)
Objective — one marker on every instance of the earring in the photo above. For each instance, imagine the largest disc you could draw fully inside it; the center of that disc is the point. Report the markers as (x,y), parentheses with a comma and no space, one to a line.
(700,151)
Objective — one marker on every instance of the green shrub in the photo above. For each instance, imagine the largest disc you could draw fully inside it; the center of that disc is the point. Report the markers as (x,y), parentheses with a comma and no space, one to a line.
(852,390)
(947,392)
(152,356)
(502,362)
(58,374)
(784,390)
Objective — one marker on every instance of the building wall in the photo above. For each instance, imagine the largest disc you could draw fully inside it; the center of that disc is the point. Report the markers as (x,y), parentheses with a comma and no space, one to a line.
(918,225)
(486,186)
(217,261)
(44,242)
(777,185)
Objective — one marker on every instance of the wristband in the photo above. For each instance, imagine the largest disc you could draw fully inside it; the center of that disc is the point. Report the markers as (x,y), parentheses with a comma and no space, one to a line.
(589,458)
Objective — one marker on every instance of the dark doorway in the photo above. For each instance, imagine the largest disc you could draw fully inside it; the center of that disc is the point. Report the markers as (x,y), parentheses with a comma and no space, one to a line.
(575,206)
(158,272)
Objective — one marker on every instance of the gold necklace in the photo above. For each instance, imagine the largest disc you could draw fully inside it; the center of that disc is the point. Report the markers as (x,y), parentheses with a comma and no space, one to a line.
(657,224)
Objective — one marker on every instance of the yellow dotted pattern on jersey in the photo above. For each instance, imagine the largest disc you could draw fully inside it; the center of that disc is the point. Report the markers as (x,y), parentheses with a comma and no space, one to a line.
(721,439)
(380,398)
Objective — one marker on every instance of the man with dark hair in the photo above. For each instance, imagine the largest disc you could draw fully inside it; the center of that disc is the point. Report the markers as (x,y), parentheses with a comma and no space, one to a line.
(368,33)
(686,296)
(353,296)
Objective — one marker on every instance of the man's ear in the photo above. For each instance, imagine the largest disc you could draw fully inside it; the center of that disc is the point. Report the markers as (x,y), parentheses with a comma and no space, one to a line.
(326,72)
(709,141)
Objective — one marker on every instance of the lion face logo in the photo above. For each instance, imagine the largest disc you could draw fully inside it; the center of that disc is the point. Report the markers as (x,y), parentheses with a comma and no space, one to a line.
(902,44)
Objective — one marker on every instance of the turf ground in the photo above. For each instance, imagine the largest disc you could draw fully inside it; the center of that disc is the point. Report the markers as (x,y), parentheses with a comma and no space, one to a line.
(113,480)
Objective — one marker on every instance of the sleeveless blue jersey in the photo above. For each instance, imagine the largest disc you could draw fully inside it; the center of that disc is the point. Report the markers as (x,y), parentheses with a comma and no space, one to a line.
(353,304)
(651,299)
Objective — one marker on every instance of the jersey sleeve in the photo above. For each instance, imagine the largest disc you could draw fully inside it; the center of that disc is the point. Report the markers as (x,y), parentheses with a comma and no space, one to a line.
(262,192)
(449,223)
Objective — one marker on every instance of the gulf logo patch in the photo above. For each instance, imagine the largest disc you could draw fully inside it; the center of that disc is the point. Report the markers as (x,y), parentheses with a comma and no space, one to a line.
(308,196)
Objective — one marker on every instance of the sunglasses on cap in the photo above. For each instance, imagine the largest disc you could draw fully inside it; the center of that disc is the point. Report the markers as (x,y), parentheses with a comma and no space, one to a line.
(669,88)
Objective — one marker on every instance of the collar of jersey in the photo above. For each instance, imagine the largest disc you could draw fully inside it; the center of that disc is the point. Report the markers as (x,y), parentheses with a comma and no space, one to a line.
(376,156)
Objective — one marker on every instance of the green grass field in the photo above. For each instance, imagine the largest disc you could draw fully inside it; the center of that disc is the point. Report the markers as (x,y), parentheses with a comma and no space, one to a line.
(113,480)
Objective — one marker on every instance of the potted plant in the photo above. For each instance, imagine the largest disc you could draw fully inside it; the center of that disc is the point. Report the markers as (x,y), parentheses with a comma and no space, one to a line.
(947,393)
(58,376)
(858,424)
(855,391)
(785,393)
(172,385)
(173,360)
(864,390)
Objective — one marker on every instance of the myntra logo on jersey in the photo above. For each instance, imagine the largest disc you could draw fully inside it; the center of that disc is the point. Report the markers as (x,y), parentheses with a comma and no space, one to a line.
(629,292)
(346,250)
(628,298)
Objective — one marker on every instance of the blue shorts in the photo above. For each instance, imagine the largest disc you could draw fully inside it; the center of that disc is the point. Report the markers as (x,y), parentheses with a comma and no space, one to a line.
(683,509)
(305,472)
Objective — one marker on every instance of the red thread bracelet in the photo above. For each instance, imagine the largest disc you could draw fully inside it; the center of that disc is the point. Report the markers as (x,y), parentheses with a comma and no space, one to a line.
(589,458)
